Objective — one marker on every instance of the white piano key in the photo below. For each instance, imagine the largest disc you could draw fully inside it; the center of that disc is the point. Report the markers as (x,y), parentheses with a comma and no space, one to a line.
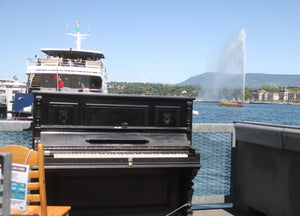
(119,155)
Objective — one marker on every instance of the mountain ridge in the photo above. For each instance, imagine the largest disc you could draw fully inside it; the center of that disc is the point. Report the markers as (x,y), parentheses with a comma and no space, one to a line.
(253,80)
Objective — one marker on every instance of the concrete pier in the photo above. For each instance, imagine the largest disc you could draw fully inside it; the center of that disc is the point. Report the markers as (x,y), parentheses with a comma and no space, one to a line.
(266,164)
(10,125)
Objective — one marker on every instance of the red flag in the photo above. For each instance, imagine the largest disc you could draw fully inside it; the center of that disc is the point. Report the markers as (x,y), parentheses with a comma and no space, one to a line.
(56,76)
(61,84)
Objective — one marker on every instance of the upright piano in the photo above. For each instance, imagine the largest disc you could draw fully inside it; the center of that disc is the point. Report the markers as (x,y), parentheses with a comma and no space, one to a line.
(117,154)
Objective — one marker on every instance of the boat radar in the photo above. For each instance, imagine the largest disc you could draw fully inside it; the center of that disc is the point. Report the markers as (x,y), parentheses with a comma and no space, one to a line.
(78,36)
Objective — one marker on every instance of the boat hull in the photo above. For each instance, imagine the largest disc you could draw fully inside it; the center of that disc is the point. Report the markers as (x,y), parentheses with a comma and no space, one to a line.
(230,104)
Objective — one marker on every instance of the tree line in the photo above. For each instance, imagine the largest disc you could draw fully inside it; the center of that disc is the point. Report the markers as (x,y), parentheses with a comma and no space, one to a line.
(153,89)
(174,90)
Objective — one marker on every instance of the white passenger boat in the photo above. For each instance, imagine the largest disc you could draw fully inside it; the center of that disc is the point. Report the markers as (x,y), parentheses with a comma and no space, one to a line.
(67,69)
(60,69)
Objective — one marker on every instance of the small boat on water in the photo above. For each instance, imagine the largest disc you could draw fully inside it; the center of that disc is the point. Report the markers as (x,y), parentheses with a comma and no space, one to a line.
(8,89)
(230,104)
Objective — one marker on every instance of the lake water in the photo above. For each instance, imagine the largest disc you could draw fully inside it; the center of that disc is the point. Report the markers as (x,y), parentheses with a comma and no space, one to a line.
(267,113)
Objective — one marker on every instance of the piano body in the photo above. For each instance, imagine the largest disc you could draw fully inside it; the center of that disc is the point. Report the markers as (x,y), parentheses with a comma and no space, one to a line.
(117,154)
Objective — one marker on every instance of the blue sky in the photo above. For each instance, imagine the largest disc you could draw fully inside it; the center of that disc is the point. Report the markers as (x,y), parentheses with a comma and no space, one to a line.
(165,41)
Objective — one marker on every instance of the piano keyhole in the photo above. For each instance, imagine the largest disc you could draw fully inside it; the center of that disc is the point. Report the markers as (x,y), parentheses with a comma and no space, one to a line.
(124,124)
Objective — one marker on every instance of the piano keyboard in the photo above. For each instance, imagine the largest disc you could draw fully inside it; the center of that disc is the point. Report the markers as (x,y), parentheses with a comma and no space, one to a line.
(119,155)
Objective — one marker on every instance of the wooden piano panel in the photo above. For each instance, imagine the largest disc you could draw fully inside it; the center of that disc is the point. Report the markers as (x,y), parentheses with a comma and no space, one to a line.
(111,110)
(63,113)
(116,115)
(167,116)
(127,192)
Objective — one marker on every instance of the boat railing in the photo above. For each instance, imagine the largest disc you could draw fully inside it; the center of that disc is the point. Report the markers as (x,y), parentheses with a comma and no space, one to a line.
(2,99)
(2,96)
(64,70)
(53,62)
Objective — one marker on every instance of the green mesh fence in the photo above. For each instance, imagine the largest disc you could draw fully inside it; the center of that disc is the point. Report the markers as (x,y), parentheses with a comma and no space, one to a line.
(214,175)
(16,137)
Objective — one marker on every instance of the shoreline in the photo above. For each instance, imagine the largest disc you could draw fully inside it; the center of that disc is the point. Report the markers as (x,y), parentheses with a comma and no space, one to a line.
(253,102)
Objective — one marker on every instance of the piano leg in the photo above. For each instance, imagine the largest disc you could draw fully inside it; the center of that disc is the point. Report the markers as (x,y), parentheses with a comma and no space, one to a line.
(190,174)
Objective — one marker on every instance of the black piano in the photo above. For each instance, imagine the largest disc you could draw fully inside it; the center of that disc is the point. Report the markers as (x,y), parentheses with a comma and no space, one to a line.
(117,154)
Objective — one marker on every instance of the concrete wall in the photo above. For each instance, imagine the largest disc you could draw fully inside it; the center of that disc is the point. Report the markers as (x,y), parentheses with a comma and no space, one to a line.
(266,169)
(9,125)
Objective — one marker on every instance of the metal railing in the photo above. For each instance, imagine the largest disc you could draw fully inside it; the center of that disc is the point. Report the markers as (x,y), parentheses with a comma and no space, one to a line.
(3,99)
(64,63)
(215,141)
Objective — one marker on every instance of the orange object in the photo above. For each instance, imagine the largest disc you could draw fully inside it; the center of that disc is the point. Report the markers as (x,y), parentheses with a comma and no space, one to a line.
(21,154)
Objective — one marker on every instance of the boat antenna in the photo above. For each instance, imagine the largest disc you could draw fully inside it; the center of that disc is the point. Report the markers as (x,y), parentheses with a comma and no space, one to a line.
(78,36)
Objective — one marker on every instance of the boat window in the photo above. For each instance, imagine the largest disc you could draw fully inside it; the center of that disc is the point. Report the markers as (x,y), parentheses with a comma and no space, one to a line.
(95,83)
(70,81)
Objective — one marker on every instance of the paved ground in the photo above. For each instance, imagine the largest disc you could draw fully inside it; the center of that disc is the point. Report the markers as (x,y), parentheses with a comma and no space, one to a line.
(220,212)
(212,212)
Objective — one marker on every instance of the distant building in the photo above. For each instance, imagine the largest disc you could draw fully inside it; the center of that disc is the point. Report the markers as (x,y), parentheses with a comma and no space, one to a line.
(272,96)
(298,96)
(292,96)
(283,96)
(258,95)
(275,96)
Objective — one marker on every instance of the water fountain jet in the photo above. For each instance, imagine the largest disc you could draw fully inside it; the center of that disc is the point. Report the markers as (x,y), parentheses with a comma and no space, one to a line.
(229,80)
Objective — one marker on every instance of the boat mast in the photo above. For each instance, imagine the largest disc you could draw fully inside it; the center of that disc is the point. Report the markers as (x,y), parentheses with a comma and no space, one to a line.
(78,36)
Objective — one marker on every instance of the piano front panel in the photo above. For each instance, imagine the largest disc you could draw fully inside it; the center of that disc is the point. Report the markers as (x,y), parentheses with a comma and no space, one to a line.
(127,192)
(116,115)
(63,113)
(167,116)
(111,110)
